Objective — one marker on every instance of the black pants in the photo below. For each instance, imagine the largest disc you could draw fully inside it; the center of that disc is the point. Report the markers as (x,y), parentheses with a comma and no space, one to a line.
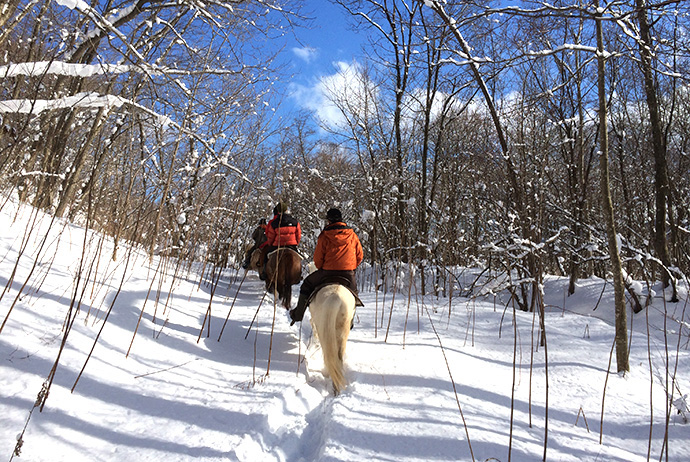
(314,280)
(318,277)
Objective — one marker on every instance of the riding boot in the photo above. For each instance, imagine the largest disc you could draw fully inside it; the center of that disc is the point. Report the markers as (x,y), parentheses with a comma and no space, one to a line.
(297,314)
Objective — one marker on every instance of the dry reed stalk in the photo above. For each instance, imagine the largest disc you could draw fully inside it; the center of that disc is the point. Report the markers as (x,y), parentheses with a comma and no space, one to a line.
(143,306)
(270,342)
(299,349)
(159,289)
(651,386)
(91,278)
(232,304)
(407,311)
(178,266)
(256,336)
(418,303)
(384,277)
(71,314)
(376,301)
(603,395)
(255,314)
(674,384)
(584,418)
(97,287)
(546,373)
(166,369)
(467,332)
(390,313)
(105,320)
(474,318)
(160,331)
(449,284)
(20,437)
(532,349)
(214,285)
(452,381)
(513,385)
(33,268)
(28,231)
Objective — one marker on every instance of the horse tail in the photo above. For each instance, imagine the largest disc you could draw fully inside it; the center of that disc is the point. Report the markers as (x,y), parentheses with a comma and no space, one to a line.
(331,312)
(292,274)
(286,292)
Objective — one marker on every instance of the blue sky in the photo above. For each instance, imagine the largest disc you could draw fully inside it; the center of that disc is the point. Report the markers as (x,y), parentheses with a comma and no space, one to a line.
(330,39)
(328,47)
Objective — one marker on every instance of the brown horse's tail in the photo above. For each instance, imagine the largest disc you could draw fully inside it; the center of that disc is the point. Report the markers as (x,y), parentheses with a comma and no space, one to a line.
(283,274)
(286,292)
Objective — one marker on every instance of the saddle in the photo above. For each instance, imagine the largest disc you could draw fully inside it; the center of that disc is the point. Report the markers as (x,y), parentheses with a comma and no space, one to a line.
(279,249)
(260,264)
(335,280)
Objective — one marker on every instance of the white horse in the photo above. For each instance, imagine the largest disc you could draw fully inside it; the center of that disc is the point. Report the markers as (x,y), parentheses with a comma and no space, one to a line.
(332,310)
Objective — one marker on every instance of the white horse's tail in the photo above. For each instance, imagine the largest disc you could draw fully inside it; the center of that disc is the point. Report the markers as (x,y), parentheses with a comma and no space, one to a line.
(332,310)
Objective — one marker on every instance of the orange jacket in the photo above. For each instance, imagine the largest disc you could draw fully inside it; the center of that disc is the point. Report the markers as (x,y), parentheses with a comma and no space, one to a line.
(283,230)
(338,248)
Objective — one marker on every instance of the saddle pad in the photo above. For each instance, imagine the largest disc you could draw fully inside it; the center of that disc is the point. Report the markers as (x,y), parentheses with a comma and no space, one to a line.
(358,302)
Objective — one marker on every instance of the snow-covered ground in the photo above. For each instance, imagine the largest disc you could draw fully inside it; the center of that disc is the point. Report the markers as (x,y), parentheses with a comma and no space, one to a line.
(425,385)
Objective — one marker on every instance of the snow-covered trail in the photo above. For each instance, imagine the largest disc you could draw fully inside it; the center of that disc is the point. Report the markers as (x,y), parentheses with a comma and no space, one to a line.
(182,396)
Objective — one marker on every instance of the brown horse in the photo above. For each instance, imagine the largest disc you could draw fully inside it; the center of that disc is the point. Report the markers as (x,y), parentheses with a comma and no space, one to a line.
(283,270)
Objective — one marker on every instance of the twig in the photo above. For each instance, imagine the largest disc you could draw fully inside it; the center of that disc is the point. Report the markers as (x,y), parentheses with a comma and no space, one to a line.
(166,369)
(105,320)
(232,304)
(513,386)
(20,438)
(390,313)
(141,313)
(255,314)
(603,396)
(600,295)
(584,417)
(33,268)
(452,381)
(299,348)
(270,342)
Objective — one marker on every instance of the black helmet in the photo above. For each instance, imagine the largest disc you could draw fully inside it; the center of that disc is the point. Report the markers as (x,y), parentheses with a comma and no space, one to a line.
(281,207)
(334,215)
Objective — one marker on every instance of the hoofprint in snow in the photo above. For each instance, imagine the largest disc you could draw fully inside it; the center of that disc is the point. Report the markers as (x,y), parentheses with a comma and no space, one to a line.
(425,384)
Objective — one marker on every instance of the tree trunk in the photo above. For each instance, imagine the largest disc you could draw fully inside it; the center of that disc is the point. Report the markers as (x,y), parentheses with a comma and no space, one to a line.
(661,187)
(607,207)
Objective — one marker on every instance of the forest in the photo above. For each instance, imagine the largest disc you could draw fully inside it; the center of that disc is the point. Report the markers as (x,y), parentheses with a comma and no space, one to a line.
(523,138)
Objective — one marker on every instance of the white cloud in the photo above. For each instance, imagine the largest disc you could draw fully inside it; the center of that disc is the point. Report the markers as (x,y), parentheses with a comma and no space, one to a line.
(306,54)
(329,95)
(415,101)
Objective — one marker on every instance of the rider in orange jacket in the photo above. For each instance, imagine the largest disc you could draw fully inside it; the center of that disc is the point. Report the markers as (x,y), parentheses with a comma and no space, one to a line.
(338,253)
